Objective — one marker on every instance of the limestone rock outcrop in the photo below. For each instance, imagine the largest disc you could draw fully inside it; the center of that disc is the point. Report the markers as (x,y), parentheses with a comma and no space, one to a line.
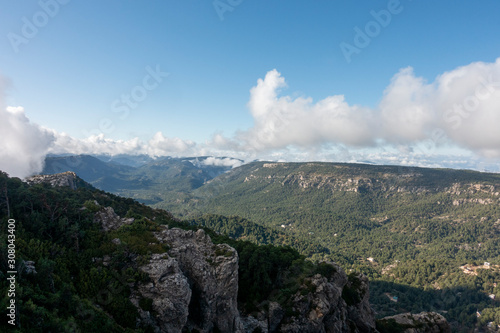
(170,293)
(68,179)
(194,286)
(109,220)
(424,322)
(333,304)
(212,272)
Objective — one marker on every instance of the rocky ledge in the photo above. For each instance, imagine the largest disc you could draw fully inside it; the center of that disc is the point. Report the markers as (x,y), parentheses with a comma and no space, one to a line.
(68,179)
(109,220)
(424,322)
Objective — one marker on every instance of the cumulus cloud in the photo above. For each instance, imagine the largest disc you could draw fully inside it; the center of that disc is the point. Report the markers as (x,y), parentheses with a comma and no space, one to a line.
(469,101)
(95,144)
(459,108)
(406,113)
(280,121)
(23,145)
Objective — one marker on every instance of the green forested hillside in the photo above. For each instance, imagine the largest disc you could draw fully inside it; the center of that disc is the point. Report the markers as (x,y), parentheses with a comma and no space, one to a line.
(409,229)
(72,276)
(389,213)
(56,236)
(242,229)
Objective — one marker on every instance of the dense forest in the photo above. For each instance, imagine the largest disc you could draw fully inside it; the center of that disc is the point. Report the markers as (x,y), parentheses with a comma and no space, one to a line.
(75,277)
(421,235)
(435,284)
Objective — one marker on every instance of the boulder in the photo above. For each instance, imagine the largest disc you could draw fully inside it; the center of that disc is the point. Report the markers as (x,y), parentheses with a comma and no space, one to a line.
(109,220)
(424,322)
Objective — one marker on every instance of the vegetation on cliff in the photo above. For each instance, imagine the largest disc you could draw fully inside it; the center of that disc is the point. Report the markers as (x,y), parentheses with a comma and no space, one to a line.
(73,276)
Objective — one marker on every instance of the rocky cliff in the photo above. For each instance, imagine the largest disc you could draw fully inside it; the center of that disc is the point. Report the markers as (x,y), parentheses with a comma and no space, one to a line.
(195,286)
(109,220)
(212,275)
(336,303)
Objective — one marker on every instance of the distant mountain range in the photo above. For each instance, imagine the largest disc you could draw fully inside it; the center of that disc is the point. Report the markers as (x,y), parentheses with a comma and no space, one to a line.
(148,180)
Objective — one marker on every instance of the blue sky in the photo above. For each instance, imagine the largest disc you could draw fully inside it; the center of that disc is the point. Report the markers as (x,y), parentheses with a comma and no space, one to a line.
(69,76)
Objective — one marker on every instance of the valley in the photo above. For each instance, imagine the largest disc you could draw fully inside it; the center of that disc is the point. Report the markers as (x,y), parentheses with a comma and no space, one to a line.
(410,230)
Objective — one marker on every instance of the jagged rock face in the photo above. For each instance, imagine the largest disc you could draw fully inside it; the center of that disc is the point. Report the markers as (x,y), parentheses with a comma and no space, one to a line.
(169,289)
(60,179)
(361,313)
(195,286)
(252,324)
(323,308)
(424,322)
(265,321)
(317,308)
(275,316)
(212,273)
(110,220)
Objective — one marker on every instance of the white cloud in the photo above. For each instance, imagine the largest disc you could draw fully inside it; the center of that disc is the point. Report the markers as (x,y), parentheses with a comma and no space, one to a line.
(405,112)
(23,145)
(95,144)
(460,108)
(283,121)
(160,145)
(227,162)
(470,106)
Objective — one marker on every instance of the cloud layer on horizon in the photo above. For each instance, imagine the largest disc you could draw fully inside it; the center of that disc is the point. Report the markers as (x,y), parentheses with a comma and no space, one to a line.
(460,108)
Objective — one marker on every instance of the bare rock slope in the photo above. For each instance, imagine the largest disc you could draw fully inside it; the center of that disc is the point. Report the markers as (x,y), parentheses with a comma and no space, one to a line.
(194,286)
(68,179)
(424,322)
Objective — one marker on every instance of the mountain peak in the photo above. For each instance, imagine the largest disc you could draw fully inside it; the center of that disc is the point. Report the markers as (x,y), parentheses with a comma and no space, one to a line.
(67,178)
